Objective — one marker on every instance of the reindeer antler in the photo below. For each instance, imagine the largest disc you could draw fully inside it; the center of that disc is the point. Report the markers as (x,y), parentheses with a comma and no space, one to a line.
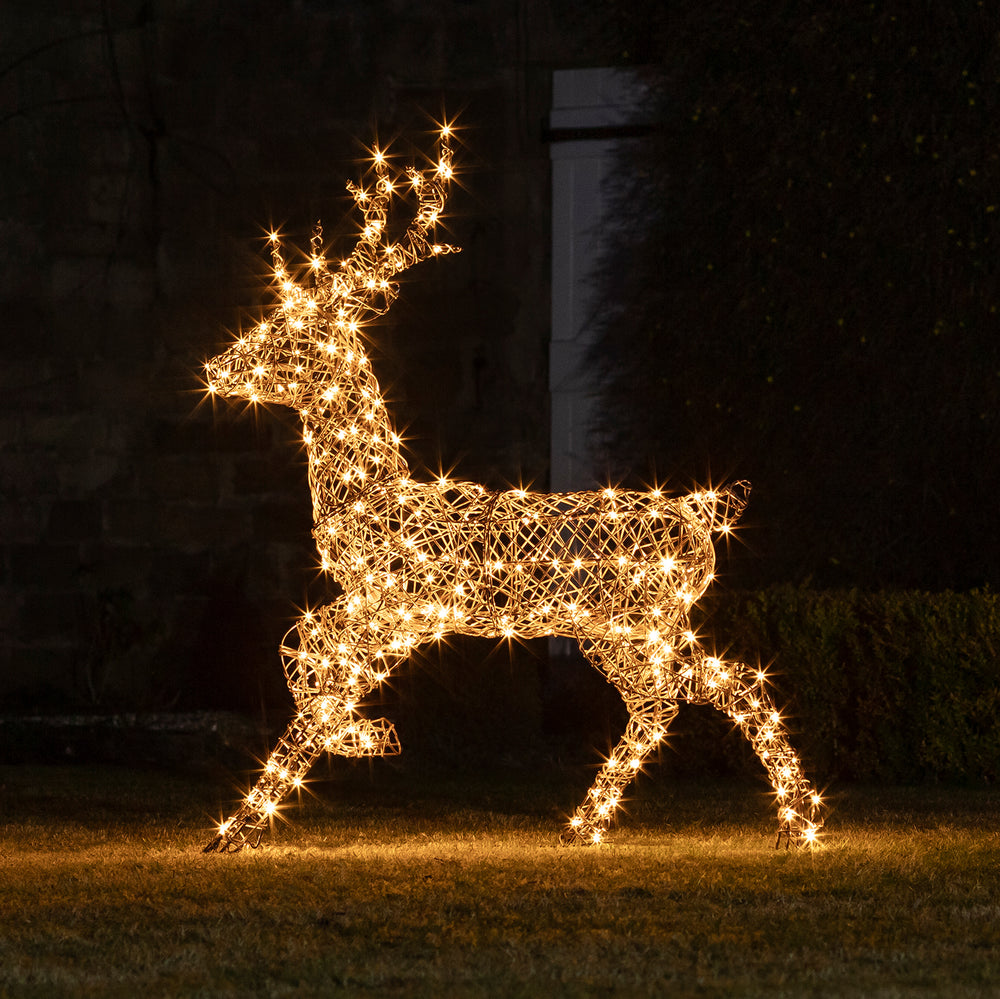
(375,260)
(367,274)
(433,194)
(374,206)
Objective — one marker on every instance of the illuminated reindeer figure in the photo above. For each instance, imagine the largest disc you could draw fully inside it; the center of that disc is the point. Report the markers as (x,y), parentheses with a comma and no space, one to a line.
(618,571)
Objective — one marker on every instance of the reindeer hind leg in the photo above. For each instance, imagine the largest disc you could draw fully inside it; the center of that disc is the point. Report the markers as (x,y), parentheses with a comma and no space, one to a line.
(740,692)
(591,820)
(650,715)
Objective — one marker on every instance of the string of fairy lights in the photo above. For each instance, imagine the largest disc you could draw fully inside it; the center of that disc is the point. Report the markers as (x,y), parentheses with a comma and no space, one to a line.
(617,570)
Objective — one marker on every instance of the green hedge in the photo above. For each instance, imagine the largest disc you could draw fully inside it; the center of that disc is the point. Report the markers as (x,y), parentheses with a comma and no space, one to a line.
(884,686)
(888,687)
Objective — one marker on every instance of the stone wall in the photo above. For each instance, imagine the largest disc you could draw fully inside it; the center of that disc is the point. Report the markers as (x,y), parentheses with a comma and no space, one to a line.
(153,548)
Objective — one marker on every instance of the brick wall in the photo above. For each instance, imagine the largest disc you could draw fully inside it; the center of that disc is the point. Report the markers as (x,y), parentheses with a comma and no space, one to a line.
(152,549)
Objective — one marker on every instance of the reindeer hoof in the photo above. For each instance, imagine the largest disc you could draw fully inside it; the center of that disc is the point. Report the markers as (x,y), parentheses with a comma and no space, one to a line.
(235,835)
(225,844)
(804,836)
(574,836)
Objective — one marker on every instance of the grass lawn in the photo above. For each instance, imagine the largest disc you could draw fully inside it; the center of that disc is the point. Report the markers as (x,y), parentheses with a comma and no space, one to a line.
(388,883)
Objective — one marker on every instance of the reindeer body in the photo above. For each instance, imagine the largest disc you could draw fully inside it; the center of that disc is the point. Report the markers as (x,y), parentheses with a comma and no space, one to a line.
(616,570)
(456,557)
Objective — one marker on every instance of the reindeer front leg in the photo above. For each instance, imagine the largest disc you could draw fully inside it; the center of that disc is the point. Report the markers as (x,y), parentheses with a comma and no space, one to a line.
(332,668)
(286,768)
(335,665)
(320,730)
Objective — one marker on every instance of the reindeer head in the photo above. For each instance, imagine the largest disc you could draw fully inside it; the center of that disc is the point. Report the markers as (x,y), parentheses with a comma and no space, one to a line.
(310,340)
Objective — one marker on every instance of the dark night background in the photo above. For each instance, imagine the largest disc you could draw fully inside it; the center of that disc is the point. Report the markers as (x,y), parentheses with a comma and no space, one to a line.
(803,293)
(812,302)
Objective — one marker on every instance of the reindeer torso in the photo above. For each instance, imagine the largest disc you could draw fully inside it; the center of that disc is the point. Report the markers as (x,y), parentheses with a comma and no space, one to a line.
(429,558)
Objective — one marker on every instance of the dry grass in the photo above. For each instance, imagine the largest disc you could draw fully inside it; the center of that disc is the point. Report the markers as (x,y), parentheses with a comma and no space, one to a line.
(444,887)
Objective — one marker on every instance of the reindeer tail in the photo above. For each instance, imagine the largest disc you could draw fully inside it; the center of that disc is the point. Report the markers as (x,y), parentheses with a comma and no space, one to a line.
(721,508)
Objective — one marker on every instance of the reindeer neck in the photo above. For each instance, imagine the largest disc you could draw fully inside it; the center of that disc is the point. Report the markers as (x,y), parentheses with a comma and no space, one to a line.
(349,436)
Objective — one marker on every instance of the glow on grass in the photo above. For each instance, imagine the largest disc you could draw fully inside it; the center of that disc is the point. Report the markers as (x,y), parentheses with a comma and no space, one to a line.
(617,570)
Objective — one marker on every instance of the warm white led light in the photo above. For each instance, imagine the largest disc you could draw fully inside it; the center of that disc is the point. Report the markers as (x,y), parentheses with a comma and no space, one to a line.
(617,570)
